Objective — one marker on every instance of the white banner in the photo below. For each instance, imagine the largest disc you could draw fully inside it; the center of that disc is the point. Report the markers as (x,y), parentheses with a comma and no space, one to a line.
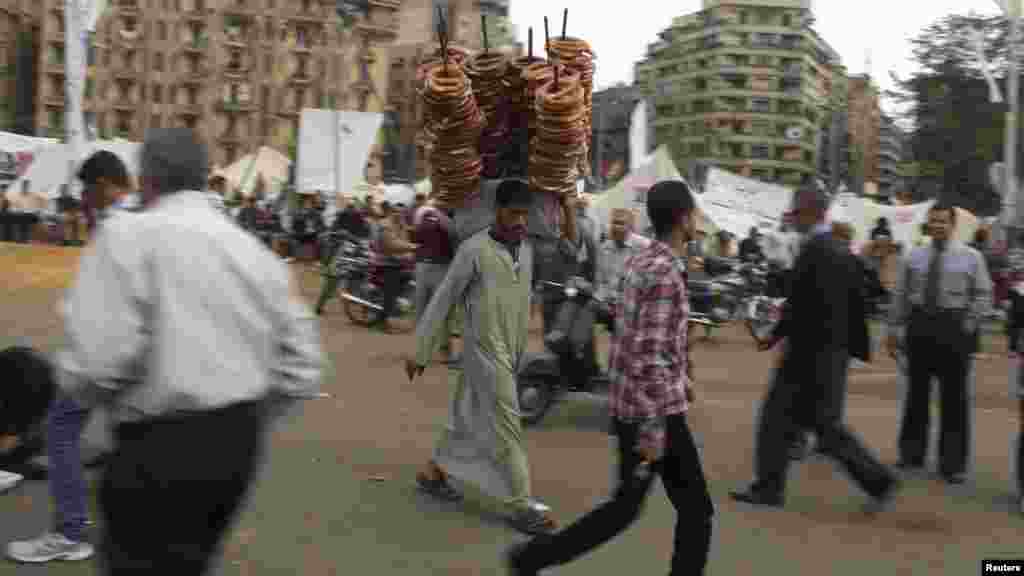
(732,201)
(76,46)
(334,146)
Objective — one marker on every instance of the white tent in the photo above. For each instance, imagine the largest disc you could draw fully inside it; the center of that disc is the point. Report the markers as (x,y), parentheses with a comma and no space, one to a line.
(49,168)
(631,193)
(904,221)
(243,174)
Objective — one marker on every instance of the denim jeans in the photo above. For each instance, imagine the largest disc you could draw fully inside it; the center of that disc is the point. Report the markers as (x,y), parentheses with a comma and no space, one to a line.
(67,475)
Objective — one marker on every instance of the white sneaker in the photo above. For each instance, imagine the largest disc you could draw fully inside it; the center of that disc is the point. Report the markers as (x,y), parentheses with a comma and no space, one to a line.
(49,547)
(9,480)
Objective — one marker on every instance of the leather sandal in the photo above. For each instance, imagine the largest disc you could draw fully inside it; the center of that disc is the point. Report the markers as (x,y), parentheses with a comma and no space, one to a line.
(439,488)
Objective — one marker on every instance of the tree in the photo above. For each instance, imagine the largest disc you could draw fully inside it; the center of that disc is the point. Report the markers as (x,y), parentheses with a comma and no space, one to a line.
(957,133)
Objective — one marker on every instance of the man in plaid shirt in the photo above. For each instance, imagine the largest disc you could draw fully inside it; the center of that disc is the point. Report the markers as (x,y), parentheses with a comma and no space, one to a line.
(651,389)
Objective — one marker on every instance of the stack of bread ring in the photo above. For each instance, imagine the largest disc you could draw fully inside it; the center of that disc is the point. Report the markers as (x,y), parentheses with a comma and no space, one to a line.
(577,55)
(515,96)
(561,135)
(486,73)
(455,125)
(536,75)
(456,54)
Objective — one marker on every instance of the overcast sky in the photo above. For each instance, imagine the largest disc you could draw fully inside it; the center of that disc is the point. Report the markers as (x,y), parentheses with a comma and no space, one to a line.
(620,31)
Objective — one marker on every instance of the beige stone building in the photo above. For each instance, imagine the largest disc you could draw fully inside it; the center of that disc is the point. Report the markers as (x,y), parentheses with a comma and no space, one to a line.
(417,41)
(237,71)
(865,122)
(18,32)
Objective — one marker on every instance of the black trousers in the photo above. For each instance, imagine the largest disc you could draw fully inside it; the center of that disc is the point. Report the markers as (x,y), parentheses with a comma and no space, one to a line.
(1020,453)
(173,486)
(391,278)
(802,398)
(939,347)
(681,473)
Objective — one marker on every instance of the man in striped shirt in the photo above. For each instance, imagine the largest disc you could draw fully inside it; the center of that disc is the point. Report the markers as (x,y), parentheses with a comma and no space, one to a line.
(651,388)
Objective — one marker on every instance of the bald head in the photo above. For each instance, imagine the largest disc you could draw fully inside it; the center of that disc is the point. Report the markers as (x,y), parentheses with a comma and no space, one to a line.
(172,160)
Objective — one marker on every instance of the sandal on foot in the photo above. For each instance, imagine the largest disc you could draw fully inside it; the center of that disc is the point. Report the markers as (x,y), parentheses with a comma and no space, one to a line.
(532,522)
(438,488)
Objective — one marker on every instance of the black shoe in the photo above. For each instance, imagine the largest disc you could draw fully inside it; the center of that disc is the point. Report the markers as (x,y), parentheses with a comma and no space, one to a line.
(954,479)
(882,500)
(513,562)
(757,497)
(798,451)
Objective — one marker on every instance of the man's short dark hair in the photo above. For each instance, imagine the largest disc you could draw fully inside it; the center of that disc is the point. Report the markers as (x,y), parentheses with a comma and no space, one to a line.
(944,206)
(173,159)
(103,164)
(667,201)
(513,192)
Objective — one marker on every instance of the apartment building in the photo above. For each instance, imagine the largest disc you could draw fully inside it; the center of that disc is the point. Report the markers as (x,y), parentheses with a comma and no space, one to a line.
(612,117)
(865,120)
(19,27)
(743,85)
(417,42)
(890,154)
(237,71)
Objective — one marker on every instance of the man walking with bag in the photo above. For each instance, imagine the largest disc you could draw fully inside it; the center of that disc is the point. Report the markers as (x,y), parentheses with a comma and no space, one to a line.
(651,390)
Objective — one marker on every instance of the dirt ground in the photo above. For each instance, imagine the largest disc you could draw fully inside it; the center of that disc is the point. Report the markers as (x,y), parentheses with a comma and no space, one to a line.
(336,496)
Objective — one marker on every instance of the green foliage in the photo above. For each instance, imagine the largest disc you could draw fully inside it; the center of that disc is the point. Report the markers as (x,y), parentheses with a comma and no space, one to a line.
(957,132)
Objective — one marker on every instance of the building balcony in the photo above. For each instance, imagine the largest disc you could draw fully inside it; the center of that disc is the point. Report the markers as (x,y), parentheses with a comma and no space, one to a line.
(125,104)
(300,79)
(57,8)
(290,110)
(314,14)
(229,139)
(195,16)
(236,107)
(58,39)
(126,74)
(128,8)
(397,4)
(238,9)
(53,101)
(190,110)
(383,33)
(305,47)
(236,72)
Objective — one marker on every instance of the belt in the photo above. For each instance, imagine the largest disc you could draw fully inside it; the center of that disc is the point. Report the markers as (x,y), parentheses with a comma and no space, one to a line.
(437,261)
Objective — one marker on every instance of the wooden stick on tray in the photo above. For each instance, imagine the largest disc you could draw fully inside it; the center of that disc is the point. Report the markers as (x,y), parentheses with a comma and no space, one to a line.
(565,20)
(483,27)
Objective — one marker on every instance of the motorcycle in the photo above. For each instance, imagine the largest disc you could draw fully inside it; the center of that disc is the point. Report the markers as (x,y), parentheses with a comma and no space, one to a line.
(738,293)
(362,291)
(568,361)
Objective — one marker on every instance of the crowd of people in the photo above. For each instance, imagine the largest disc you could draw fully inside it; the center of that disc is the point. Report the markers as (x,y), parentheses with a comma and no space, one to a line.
(174,362)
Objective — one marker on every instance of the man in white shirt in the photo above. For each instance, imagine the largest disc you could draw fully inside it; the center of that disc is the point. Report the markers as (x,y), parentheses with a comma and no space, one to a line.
(620,245)
(189,331)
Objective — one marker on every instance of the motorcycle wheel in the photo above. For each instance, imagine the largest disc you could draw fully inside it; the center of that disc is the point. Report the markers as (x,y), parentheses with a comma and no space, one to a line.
(536,396)
(357,313)
(404,320)
(758,322)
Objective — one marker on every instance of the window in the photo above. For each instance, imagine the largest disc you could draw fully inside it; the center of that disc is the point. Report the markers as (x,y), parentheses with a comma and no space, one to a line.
(270,4)
(158,94)
(744,17)
(268,64)
(760,151)
(265,97)
(154,122)
(161,28)
(158,62)
(762,105)
(787,20)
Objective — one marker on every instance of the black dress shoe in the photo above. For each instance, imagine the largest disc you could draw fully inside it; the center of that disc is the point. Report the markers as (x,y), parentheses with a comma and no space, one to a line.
(909,466)
(882,500)
(514,563)
(757,497)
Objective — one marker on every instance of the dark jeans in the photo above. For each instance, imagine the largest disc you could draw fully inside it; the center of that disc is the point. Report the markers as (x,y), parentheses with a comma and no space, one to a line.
(6,227)
(391,279)
(683,478)
(67,474)
(166,509)
(938,347)
(23,224)
(802,398)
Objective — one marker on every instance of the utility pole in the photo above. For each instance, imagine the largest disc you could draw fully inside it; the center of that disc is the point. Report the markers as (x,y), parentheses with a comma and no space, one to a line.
(1012,10)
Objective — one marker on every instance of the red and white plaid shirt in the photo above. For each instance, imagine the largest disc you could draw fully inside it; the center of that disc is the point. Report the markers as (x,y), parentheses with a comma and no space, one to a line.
(647,366)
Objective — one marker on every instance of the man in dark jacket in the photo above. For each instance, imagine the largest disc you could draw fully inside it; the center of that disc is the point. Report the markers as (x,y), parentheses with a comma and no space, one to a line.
(750,247)
(28,390)
(823,324)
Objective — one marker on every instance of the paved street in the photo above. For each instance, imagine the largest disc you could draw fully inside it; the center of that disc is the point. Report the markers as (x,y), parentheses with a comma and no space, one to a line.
(336,496)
